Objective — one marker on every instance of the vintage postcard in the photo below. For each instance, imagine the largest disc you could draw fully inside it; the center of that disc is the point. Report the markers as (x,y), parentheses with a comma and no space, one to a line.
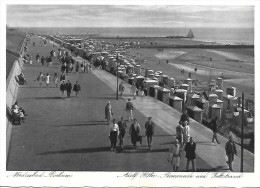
(129,94)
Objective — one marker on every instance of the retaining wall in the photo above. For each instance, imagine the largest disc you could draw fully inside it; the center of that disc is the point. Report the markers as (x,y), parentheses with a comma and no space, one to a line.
(11,94)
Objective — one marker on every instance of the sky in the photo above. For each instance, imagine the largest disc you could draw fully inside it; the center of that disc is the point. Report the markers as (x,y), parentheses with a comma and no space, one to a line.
(129,16)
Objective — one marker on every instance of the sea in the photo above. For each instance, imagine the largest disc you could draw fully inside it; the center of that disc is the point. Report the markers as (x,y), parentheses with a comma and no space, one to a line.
(209,34)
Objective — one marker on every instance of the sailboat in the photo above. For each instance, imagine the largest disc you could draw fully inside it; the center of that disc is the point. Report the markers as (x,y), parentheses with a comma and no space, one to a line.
(190,34)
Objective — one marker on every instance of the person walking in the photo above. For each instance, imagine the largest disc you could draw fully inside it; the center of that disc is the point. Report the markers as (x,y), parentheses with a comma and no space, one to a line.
(149,131)
(69,88)
(108,112)
(186,132)
(76,88)
(133,90)
(184,117)
(179,134)
(135,131)
(62,77)
(113,133)
(62,88)
(42,61)
(56,79)
(121,89)
(40,78)
(190,149)
(122,127)
(231,150)
(175,155)
(47,79)
(77,68)
(145,88)
(129,110)
(214,127)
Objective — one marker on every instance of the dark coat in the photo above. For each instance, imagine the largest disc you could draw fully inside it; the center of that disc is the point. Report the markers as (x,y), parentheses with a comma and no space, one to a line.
(230,148)
(63,87)
(184,117)
(190,150)
(62,77)
(149,128)
(214,125)
(68,86)
(129,106)
(76,87)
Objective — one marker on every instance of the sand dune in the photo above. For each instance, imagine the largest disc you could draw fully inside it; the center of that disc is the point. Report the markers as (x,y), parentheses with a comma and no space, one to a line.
(234,56)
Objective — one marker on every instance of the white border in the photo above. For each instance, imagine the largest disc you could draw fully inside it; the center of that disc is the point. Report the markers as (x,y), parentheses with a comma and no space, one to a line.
(103,179)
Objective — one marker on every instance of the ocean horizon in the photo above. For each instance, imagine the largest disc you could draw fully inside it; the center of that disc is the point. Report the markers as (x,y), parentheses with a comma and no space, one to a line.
(211,34)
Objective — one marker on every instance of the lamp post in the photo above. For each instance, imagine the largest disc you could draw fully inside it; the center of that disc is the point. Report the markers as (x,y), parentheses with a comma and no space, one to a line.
(242,135)
(117,77)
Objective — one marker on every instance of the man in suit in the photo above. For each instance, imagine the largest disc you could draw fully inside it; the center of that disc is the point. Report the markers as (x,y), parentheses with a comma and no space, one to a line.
(69,88)
(76,88)
(230,152)
(129,110)
(62,88)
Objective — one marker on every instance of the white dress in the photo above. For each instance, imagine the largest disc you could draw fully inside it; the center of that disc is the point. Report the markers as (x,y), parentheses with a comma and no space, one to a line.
(48,79)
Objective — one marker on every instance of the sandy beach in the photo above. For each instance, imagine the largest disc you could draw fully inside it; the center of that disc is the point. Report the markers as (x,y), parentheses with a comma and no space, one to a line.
(237,65)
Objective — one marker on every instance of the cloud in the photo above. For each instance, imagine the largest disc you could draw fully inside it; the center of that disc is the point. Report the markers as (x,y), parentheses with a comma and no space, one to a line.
(129,15)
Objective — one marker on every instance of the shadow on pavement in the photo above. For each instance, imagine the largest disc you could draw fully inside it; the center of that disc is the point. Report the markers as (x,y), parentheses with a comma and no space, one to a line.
(132,150)
(82,124)
(207,143)
(80,150)
(110,98)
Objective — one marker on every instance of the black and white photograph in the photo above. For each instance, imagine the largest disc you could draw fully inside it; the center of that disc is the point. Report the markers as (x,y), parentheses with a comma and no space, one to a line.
(149,91)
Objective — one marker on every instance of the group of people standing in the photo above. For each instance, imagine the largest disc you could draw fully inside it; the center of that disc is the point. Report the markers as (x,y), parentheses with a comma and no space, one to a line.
(67,87)
(119,129)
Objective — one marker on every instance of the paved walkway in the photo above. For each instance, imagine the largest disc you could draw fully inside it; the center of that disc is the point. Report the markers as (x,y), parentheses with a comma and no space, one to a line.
(71,134)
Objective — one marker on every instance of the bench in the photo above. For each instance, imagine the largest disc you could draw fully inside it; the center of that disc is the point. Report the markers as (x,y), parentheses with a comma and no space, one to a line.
(13,117)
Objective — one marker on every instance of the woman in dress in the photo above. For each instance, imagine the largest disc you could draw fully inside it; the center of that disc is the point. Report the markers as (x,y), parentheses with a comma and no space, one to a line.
(108,112)
(135,131)
(56,79)
(40,78)
(47,79)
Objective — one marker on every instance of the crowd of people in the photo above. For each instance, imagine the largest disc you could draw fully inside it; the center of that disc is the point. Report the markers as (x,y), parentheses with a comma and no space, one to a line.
(183,142)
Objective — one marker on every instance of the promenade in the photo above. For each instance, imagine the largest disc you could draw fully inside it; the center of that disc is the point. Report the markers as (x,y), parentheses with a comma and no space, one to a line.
(71,134)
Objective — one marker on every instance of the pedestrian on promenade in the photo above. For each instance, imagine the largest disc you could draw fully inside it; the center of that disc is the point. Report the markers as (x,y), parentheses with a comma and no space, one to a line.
(77,67)
(62,88)
(90,67)
(179,134)
(121,88)
(230,152)
(186,132)
(40,78)
(214,127)
(69,88)
(135,131)
(175,155)
(56,79)
(129,110)
(113,133)
(62,77)
(184,117)
(122,128)
(149,131)
(190,149)
(108,112)
(76,88)
(145,88)
(42,61)
(82,68)
(47,79)
(133,90)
